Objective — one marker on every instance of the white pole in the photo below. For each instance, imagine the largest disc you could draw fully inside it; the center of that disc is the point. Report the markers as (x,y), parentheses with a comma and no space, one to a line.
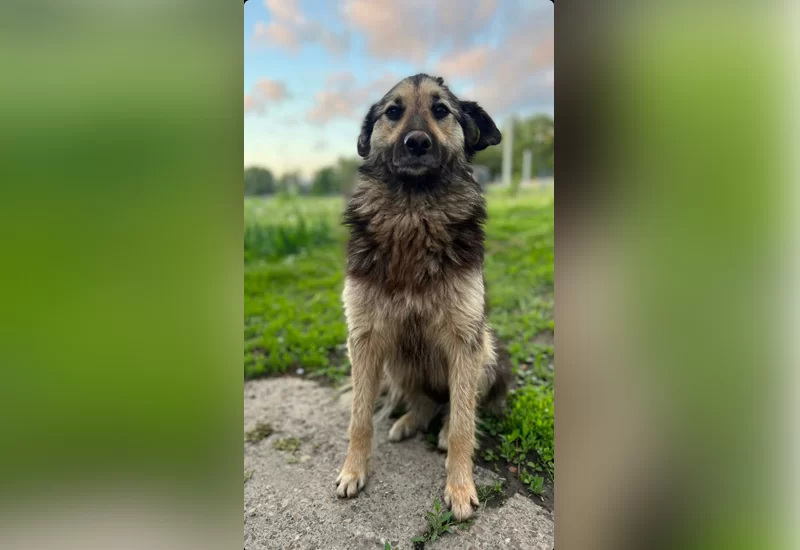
(508,143)
(527,157)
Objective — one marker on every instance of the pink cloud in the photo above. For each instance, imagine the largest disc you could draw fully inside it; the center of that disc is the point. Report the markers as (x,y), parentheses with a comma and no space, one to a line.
(467,63)
(290,29)
(343,99)
(516,73)
(276,34)
(264,91)
(271,89)
(286,10)
(251,105)
(411,30)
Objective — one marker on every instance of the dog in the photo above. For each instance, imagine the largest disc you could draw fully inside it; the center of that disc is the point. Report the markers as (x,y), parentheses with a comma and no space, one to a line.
(414,293)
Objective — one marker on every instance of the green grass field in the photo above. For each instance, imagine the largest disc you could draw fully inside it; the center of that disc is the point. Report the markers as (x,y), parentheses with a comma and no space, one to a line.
(293,316)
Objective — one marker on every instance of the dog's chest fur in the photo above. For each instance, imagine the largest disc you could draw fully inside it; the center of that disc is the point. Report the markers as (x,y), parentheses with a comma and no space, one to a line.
(403,240)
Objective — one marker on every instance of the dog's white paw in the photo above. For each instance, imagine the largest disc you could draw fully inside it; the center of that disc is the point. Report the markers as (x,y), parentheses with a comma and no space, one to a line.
(350,482)
(461,499)
(404,427)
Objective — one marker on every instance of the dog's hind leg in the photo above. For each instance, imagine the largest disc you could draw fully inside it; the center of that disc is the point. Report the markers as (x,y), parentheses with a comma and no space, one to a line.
(421,411)
(444,433)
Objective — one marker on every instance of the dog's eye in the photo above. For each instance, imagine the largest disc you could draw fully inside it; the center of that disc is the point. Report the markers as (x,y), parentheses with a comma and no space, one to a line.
(394,113)
(440,111)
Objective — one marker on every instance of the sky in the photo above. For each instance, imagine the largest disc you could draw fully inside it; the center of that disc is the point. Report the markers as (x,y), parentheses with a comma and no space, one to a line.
(312,68)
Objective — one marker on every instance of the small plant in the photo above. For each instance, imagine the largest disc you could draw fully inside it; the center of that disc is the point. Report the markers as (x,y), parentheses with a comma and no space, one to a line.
(533,482)
(508,447)
(290,444)
(488,492)
(247,475)
(261,431)
(490,456)
(438,524)
(389,546)
(485,493)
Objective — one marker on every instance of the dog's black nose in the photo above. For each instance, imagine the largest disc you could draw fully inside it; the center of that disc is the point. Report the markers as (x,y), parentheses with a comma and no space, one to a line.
(417,142)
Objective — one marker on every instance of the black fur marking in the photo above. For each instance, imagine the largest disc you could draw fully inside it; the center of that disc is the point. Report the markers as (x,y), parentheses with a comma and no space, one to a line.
(363,145)
(480,130)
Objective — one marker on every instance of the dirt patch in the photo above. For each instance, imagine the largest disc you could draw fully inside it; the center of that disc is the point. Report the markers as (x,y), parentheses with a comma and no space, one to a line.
(293,504)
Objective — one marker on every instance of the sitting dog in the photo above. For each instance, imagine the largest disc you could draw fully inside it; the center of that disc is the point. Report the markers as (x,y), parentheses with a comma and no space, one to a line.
(414,291)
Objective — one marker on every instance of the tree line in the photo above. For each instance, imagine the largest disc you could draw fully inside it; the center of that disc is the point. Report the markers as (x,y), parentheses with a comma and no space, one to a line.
(535,133)
(330,180)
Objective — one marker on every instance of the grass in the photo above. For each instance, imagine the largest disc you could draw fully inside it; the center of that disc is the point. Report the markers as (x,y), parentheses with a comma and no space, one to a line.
(488,492)
(440,523)
(261,431)
(293,317)
(273,242)
(289,444)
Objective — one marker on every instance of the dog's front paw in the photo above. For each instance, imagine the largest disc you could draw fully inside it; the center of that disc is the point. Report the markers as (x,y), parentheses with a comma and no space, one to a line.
(461,499)
(350,482)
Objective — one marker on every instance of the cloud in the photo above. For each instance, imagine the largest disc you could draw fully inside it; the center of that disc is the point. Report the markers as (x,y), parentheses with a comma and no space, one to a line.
(343,99)
(271,89)
(412,30)
(465,63)
(264,91)
(251,105)
(290,29)
(286,10)
(516,74)
(319,145)
(277,35)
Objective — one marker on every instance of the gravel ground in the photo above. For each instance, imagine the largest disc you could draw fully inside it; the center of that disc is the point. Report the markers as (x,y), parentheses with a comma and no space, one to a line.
(290,500)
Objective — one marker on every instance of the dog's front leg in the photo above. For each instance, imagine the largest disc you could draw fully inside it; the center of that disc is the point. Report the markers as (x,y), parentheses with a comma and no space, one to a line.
(465,365)
(367,359)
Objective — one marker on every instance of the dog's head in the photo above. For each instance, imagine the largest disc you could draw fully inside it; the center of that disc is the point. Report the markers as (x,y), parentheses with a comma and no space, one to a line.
(420,128)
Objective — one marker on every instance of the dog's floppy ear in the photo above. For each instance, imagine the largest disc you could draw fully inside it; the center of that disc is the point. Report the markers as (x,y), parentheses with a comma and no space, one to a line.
(366,132)
(480,130)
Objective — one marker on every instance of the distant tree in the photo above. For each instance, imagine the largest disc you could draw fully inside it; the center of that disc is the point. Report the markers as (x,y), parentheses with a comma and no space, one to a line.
(346,169)
(536,133)
(289,183)
(258,181)
(491,158)
(325,182)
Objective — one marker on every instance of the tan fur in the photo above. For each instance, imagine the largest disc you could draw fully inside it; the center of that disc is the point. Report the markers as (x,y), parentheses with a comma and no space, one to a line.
(414,295)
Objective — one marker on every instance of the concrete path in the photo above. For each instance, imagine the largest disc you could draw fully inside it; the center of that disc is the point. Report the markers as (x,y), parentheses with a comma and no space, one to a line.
(290,500)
